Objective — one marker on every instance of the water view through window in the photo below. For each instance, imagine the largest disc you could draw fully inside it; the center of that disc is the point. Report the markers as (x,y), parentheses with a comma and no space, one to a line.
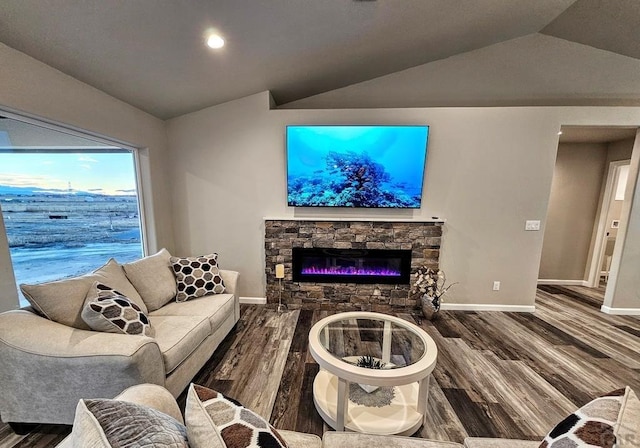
(67,213)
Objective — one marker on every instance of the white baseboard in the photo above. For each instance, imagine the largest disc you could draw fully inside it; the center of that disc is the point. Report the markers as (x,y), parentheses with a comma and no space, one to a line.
(620,311)
(253,300)
(547,281)
(488,307)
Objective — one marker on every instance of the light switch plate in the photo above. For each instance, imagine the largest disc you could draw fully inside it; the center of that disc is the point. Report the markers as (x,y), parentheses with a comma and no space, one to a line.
(532,225)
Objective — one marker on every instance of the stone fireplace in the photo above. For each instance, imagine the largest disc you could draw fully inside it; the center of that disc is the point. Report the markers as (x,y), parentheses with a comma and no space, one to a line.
(350,265)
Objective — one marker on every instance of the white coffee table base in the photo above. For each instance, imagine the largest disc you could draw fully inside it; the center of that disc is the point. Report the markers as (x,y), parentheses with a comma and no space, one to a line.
(399,418)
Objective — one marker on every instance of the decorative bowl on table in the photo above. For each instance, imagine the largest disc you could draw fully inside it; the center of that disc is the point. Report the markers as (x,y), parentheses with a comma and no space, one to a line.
(368,362)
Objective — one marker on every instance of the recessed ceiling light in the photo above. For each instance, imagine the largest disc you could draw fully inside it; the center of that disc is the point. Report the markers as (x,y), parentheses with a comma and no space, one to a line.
(215,41)
(559,132)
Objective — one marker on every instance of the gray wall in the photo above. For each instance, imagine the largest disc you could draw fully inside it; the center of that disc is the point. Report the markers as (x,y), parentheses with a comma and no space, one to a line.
(8,292)
(627,290)
(620,150)
(573,206)
(488,170)
(31,87)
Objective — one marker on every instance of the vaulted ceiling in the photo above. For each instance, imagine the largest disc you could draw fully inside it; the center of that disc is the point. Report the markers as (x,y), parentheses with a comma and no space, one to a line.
(151,53)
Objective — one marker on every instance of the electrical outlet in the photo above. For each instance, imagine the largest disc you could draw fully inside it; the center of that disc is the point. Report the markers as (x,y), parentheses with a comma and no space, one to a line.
(496,286)
(532,225)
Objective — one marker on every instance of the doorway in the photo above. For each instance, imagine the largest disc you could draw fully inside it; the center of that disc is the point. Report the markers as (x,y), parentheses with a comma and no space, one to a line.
(577,252)
(608,223)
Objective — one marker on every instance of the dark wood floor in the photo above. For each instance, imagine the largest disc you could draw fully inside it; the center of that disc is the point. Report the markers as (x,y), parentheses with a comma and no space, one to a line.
(498,375)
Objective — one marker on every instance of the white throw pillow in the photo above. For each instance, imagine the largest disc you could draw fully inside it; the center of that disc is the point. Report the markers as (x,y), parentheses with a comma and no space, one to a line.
(153,277)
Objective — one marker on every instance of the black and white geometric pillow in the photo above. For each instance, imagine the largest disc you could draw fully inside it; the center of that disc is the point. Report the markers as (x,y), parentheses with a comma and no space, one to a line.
(105,309)
(590,426)
(197,276)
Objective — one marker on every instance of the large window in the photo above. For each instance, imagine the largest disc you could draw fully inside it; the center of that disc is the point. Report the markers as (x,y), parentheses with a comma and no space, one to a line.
(66,209)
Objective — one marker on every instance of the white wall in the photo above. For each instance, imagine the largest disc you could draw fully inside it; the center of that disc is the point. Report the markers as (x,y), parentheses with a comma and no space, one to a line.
(31,87)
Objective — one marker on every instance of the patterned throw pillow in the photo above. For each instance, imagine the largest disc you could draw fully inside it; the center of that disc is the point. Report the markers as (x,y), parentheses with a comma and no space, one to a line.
(214,420)
(590,426)
(111,423)
(197,276)
(107,310)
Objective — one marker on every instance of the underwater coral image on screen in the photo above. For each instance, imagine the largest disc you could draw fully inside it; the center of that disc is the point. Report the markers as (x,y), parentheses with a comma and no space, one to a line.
(356,166)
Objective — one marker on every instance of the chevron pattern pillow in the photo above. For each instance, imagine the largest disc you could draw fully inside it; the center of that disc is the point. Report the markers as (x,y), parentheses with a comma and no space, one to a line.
(101,423)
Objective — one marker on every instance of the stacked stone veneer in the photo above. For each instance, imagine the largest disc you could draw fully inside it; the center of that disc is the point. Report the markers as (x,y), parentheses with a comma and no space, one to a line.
(281,236)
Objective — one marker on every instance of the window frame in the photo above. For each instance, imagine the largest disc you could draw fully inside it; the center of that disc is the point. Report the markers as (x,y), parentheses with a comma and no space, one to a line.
(143,203)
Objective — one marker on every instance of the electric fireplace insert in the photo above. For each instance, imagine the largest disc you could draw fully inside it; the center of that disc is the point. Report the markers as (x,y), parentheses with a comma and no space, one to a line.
(351,265)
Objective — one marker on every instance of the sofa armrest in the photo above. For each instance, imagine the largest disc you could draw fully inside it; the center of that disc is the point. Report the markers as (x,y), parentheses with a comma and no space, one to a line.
(300,439)
(28,332)
(46,367)
(230,279)
(155,397)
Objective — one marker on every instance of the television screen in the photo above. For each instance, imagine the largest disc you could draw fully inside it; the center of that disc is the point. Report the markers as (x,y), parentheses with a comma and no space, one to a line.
(356,166)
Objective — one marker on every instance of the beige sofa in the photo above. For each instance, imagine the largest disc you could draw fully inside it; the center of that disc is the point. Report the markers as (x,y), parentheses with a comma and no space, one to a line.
(46,366)
(158,398)
(626,427)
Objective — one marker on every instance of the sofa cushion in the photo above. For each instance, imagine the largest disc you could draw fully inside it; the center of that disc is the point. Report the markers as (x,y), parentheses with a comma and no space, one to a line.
(338,439)
(296,439)
(62,301)
(485,442)
(197,276)
(217,307)
(108,310)
(591,425)
(214,420)
(178,337)
(153,278)
(111,423)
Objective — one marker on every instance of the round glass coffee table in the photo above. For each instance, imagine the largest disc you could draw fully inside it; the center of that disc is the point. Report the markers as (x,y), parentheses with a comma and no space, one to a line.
(390,398)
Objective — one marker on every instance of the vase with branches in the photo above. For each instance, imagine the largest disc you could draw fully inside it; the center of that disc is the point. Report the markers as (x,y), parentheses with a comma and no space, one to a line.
(430,285)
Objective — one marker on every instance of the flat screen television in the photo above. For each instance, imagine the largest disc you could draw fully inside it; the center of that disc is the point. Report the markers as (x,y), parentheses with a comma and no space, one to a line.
(356,166)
